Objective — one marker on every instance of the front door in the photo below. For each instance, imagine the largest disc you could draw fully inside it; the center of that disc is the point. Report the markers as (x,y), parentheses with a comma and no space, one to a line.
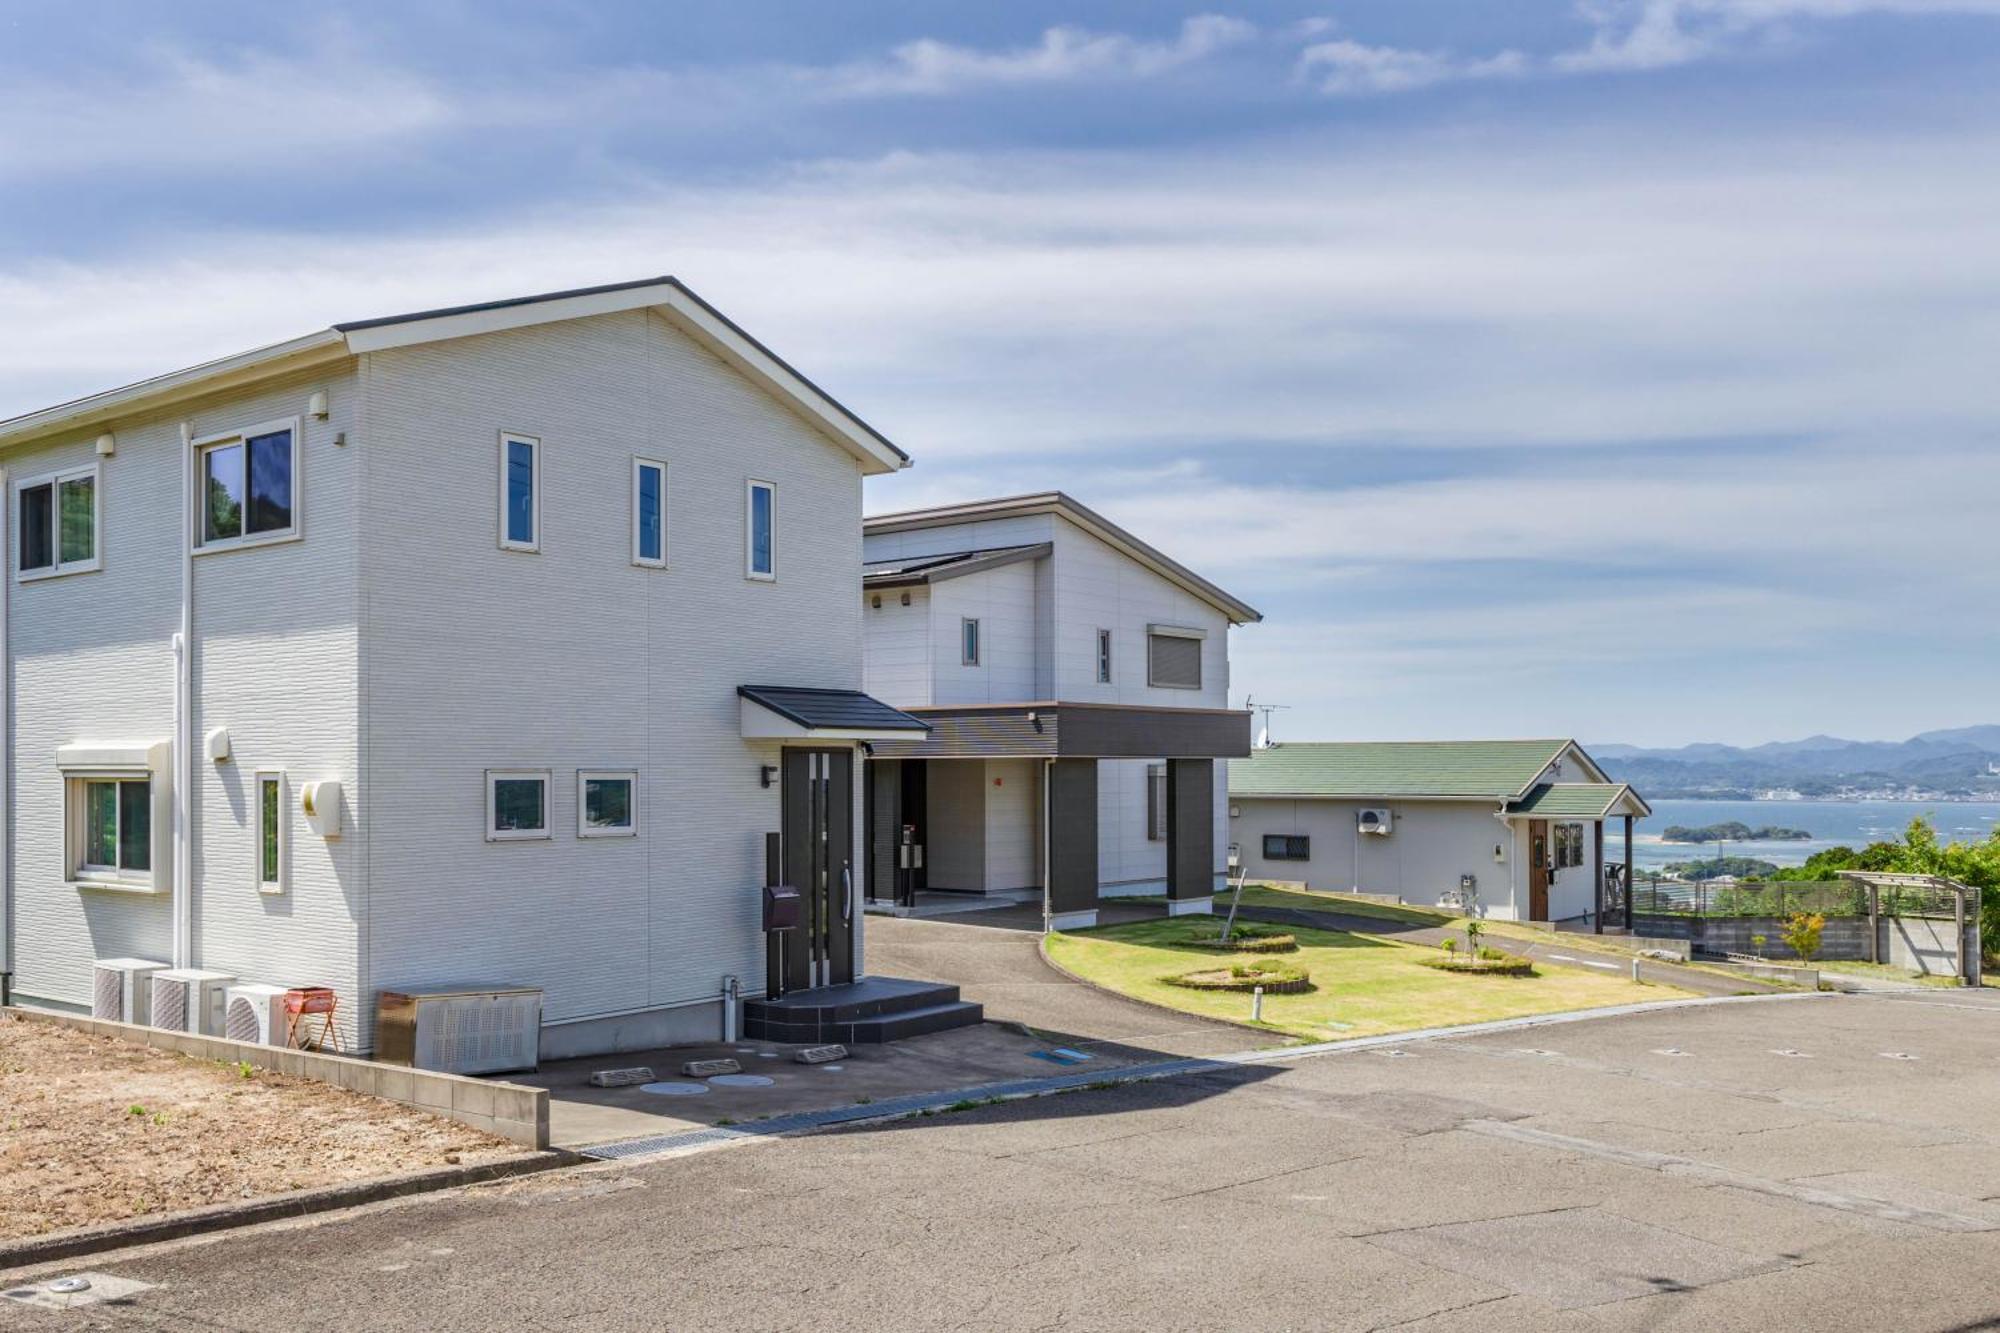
(1538,870)
(818,853)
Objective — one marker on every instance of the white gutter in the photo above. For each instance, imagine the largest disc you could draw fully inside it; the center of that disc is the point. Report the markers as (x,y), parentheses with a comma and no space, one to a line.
(183,779)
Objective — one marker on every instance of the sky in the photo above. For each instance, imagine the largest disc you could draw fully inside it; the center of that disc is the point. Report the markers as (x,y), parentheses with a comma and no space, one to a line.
(1621,369)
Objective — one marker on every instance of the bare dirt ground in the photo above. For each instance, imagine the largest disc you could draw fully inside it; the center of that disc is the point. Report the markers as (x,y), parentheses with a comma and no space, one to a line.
(94,1130)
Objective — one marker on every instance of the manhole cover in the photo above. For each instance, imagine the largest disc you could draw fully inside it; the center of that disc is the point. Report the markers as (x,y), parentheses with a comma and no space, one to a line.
(742,1081)
(675,1089)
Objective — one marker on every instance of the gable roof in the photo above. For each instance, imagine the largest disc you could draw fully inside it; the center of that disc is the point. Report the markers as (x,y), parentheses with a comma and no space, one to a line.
(673,299)
(1092,522)
(1489,770)
(1581,800)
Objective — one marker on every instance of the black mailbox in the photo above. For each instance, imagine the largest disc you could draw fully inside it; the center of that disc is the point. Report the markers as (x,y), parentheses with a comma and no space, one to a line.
(782,910)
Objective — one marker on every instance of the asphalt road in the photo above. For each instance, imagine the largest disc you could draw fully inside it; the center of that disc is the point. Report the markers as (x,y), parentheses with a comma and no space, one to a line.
(1813,1162)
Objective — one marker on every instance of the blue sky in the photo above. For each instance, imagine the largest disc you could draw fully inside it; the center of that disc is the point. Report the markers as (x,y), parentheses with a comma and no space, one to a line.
(1624,370)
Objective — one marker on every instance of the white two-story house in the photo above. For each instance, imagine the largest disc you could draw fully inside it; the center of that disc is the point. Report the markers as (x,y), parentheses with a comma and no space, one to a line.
(481,646)
(1076,682)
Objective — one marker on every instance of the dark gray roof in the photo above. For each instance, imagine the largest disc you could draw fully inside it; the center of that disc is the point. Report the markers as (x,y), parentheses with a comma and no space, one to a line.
(950,565)
(846,710)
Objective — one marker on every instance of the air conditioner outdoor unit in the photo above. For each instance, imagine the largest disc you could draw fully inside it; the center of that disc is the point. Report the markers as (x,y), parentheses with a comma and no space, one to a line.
(187,999)
(1380,822)
(119,990)
(255,1012)
(468,1030)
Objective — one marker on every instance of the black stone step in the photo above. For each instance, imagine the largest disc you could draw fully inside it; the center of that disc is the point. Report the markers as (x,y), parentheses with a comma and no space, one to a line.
(870,997)
(917,1022)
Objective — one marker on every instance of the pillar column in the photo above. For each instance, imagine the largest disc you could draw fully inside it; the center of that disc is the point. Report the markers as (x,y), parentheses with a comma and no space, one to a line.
(1631,874)
(1597,845)
(1072,843)
(1190,836)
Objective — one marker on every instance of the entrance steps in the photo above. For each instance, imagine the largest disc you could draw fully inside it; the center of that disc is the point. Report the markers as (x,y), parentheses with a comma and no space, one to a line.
(865,1012)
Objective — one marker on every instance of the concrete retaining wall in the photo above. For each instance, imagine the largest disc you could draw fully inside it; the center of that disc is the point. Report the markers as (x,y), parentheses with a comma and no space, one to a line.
(516,1113)
(1919,943)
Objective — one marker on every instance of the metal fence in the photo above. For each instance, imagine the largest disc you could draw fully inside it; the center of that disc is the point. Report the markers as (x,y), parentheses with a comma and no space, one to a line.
(1657,895)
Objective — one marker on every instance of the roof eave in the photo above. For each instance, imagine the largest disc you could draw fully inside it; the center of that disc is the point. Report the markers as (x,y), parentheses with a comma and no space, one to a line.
(229,372)
(1057,502)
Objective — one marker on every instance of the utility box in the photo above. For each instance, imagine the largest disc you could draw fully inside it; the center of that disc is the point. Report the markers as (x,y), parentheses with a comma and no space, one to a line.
(783,909)
(461,1029)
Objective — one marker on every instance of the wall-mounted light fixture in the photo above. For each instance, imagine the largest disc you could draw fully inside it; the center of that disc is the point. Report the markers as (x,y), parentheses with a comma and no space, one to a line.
(107,445)
(766,774)
(876,601)
(906,599)
(316,405)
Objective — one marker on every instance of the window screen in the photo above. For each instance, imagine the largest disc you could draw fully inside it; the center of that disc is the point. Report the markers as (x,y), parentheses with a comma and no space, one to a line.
(1173,661)
(1287,847)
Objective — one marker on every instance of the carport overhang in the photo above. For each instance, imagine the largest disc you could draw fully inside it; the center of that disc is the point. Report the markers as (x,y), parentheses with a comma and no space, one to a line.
(1072,731)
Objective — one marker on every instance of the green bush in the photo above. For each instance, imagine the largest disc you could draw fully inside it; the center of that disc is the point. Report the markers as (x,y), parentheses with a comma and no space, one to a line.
(1488,963)
(1246,939)
(1275,978)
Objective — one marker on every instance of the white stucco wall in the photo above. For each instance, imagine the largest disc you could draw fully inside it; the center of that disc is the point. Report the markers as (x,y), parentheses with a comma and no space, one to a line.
(573,658)
(274,660)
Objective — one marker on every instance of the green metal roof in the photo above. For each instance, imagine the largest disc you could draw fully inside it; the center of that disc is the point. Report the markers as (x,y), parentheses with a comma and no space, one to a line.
(1495,770)
(1579,800)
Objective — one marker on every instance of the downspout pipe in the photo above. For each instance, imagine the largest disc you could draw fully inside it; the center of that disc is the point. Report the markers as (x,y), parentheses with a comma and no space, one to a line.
(183,748)
(6,766)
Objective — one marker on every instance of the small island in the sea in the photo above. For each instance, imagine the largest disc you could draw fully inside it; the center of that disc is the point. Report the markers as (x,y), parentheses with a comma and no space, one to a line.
(1733,831)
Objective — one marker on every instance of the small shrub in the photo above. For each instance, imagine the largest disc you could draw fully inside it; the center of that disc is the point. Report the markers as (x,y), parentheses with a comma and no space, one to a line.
(1488,963)
(1450,947)
(1245,939)
(1757,943)
(1275,978)
(136,1110)
(1802,934)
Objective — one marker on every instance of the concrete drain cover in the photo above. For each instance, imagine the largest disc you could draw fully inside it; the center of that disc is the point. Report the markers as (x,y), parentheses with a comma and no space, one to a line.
(675,1089)
(742,1081)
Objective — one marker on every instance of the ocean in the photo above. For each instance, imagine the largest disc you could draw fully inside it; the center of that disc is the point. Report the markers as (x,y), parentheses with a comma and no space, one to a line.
(1832,824)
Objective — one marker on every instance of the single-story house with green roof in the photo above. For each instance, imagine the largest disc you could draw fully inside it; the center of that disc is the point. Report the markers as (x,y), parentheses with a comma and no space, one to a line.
(1508,829)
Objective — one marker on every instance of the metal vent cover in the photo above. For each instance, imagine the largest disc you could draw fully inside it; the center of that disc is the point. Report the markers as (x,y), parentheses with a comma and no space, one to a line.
(244,1022)
(107,996)
(170,1003)
(478,1033)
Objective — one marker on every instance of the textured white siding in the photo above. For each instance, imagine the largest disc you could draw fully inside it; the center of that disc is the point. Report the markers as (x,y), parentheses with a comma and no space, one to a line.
(1013,824)
(899,668)
(574,658)
(1003,602)
(274,661)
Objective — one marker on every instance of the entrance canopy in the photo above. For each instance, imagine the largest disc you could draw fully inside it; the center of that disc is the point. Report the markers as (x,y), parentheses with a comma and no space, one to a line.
(791,712)
(1074,731)
(1579,800)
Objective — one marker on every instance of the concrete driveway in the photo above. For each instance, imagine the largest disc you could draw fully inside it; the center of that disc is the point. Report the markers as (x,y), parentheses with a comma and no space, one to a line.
(994,957)
(1810,1162)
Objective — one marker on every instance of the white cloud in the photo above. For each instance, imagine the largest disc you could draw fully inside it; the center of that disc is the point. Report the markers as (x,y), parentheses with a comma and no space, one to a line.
(1064,54)
(1344,66)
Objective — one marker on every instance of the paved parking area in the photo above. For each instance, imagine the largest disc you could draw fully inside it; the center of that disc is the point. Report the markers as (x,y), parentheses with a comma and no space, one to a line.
(1801,1162)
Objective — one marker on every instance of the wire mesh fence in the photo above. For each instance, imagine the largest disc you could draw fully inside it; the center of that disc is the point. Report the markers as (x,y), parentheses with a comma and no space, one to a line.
(1659,895)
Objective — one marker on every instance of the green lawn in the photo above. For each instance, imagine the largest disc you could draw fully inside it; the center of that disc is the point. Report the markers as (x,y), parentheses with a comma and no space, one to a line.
(1364,985)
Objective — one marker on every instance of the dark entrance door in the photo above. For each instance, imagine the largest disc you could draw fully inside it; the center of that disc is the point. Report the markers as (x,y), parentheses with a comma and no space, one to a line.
(1538,870)
(818,852)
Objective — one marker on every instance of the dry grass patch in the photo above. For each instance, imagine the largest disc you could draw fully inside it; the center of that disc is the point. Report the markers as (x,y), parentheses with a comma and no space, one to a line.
(94,1130)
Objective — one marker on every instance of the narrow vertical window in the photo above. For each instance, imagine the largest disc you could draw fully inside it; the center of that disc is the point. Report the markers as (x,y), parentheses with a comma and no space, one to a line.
(761,523)
(271,851)
(1104,657)
(1156,802)
(57,519)
(649,513)
(969,642)
(520,493)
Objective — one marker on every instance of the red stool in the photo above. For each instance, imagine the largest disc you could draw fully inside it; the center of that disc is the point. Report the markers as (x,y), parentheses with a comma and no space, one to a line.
(309,1017)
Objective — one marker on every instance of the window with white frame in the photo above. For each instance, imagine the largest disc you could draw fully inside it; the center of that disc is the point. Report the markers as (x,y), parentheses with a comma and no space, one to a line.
(57,518)
(649,513)
(760,531)
(968,642)
(1173,657)
(517,804)
(607,803)
(111,826)
(520,492)
(247,486)
(1104,657)
(273,847)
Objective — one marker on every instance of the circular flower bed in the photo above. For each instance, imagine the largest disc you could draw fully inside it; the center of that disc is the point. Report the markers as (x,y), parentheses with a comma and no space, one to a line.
(1245,939)
(1275,978)
(1489,963)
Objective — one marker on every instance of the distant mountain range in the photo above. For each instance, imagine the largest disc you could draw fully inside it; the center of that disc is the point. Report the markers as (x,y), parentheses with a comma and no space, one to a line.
(1963,762)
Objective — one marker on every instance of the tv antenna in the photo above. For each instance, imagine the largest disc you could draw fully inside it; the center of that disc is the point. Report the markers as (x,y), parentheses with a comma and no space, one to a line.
(1263,731)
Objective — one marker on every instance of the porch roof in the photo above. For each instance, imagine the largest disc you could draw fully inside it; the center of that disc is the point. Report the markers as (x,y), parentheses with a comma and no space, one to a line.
(1581,800)
(1074,731)
(791,712)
